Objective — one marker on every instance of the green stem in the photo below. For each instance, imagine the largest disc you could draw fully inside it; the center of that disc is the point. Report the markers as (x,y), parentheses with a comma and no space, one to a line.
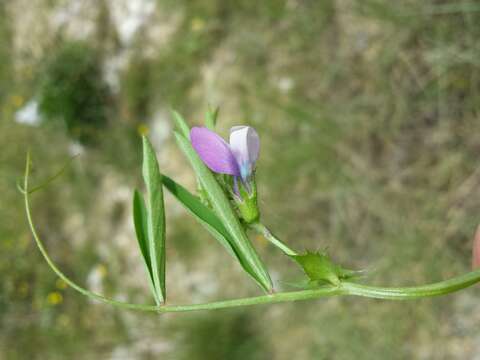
(344,288)
(417,292)
(262,229)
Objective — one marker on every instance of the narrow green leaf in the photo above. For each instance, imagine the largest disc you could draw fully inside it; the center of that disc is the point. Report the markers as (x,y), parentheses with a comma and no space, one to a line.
(220,203)
(181,124)
(141,230)
(140,222)
(205,216)
(211,117)
(155,218)
(201,212)
(184,129)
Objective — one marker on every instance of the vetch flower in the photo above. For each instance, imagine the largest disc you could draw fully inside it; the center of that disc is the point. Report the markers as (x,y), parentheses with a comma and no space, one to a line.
(236,159)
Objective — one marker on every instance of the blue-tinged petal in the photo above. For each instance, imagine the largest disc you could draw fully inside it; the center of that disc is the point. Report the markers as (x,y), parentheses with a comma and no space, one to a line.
(245,145)
(214,151)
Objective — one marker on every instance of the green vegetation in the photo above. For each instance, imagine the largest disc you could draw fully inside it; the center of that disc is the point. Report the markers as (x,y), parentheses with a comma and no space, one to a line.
(368,113)
(72,90)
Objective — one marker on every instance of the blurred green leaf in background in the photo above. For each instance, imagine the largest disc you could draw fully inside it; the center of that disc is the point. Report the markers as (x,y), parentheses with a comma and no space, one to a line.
(72,90)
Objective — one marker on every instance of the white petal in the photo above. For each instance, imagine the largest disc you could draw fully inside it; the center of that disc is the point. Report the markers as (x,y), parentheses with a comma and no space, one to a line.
(245,144)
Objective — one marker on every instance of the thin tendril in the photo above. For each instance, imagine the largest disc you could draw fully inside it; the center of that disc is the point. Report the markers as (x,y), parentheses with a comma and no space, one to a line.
(50,179)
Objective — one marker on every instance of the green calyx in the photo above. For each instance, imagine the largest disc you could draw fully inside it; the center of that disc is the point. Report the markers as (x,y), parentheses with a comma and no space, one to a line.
(320,268)
(247,202)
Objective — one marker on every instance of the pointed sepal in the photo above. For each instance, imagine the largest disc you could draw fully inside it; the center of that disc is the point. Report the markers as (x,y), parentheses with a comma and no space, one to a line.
(321,269)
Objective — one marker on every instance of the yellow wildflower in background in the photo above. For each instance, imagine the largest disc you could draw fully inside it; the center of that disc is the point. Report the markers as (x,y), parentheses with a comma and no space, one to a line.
(143,129)
(54,298)
(197,24)
(17,100)
(102,270)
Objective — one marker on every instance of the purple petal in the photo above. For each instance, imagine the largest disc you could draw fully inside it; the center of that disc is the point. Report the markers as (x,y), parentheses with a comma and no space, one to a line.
(214,151)
(245,145)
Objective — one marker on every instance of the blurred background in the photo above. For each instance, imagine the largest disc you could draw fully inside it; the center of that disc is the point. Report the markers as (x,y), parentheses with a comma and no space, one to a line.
(368,112)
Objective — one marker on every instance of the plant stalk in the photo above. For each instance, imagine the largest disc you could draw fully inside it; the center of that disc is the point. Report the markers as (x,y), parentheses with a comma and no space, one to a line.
(344,288)
(263,230)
